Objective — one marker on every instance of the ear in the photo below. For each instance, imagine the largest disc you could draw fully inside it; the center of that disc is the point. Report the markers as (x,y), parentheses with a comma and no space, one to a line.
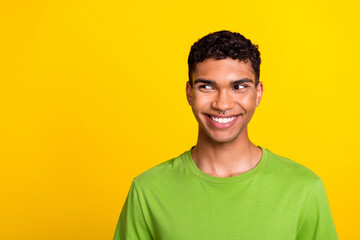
(259,93)
(189,92)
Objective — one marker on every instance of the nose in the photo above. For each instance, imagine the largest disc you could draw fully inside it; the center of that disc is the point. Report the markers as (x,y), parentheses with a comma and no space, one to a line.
(223,101)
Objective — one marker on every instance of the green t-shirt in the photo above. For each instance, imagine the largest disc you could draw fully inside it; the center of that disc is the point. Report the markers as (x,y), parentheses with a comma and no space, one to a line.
(278,199)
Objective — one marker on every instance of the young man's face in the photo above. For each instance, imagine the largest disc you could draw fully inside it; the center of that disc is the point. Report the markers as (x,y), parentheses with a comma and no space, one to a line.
(223,85)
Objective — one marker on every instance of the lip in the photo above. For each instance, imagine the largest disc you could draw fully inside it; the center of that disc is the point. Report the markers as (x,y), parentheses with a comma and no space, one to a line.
(222,125)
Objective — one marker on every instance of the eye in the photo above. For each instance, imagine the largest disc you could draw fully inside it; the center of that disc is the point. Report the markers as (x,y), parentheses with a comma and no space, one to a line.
(205,87)
(238,87)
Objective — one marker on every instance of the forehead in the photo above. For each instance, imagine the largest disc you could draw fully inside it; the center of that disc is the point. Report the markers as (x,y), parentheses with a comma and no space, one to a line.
(223,69)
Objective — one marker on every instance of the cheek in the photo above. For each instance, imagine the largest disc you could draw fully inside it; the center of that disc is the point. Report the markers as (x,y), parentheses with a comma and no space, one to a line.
(201,101)
(247,100)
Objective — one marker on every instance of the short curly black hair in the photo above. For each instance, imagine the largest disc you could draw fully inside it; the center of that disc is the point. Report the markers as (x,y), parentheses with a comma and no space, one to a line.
(221,45)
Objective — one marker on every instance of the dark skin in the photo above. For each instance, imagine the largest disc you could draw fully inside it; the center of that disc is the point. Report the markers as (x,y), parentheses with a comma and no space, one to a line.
(223,147)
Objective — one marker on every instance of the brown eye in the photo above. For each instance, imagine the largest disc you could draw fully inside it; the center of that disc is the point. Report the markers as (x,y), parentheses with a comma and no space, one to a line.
(238,87)
(206,87)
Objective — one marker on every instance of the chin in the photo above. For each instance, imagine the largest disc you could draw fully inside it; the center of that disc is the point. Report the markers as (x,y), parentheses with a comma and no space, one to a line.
(222,139)
(222,136)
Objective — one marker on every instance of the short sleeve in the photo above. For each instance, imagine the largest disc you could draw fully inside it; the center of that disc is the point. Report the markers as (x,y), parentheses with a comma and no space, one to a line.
(317,223)
(131,224)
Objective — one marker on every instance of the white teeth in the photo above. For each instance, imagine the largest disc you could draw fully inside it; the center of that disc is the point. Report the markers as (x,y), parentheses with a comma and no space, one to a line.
(223,120)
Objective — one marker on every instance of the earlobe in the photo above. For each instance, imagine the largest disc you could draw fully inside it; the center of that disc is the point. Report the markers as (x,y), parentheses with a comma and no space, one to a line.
(259,93)
(258,99)
(189,93)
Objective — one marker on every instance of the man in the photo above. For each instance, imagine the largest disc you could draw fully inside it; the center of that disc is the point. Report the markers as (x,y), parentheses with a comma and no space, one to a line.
(226,187)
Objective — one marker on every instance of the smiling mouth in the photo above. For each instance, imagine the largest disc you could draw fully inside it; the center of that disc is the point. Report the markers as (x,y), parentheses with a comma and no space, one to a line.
(223,120)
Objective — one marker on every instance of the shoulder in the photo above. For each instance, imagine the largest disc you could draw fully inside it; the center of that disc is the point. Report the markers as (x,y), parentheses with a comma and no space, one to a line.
(290,170)
(161,173)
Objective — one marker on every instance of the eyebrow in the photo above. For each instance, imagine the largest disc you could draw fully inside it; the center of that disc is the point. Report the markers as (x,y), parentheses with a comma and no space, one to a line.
(240,81)
(212,82)
(202,80)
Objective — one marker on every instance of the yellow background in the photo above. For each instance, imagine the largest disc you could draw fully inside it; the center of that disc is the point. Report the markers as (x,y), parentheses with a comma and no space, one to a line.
(93,93)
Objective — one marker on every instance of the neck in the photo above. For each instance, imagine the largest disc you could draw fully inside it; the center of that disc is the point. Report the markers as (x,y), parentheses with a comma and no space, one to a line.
(226,159)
